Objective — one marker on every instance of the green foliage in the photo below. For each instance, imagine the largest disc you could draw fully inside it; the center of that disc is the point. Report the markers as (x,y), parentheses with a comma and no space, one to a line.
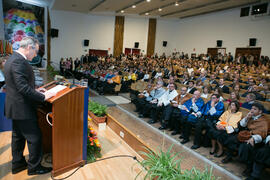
(98,109)
(166,166)
(52,71)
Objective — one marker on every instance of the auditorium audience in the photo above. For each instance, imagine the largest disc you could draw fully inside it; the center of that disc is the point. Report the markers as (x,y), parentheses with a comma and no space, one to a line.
(159,100)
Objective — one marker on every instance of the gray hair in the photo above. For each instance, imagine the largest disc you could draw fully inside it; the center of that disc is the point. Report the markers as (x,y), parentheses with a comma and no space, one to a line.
(28,41)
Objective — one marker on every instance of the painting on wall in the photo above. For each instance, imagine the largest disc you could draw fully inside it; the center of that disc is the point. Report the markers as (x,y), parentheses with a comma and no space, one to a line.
(21,20)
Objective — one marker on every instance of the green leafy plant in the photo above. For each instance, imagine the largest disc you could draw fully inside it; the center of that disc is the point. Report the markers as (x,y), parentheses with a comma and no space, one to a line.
(167,166)
(161,165)
(98,109)
(52,71)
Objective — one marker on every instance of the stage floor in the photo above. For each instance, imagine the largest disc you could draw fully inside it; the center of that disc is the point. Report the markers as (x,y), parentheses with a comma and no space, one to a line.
(111,169)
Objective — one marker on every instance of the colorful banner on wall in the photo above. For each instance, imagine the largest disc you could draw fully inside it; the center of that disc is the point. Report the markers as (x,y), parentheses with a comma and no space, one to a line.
(21,23)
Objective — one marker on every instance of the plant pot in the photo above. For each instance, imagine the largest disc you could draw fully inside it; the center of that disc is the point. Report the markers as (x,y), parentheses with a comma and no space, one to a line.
(97,119)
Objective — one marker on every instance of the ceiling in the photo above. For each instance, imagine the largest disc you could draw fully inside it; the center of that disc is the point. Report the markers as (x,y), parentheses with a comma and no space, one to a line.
(154,8)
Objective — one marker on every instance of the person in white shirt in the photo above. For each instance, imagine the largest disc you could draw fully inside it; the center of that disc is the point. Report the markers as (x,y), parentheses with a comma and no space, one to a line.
(261,160)
(164,106)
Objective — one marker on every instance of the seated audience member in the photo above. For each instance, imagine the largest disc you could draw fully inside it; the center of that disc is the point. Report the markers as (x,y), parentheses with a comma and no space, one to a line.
(174,122)
(258,127)
(253,130)
(210,114)
(192,76)
(104,81)
(234,96)
(191,110)
(224,128)
(158,74)
(254,89)
(198,84)
(250,100)
(146,76)
(206,92)
(260,161)
(140,74)
(223,87)
(236,88)
(213,79)
(164,106)
(251,83)
(191,88)
(185,79)
(218,91)
(202,76)
(111,83)
(266,92)
(145,106)
(235,81)
(171,81)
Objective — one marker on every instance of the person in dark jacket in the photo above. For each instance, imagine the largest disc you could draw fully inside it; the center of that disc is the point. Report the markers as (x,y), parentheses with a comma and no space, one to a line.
(21,98)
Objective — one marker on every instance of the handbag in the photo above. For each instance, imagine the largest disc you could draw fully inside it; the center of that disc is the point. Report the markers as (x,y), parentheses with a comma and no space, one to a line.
(243,136)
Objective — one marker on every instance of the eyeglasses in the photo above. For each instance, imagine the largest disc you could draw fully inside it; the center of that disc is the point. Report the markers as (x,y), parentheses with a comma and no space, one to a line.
(34,48)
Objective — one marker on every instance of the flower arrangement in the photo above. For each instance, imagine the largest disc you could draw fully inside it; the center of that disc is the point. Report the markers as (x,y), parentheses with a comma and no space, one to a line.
(93,146)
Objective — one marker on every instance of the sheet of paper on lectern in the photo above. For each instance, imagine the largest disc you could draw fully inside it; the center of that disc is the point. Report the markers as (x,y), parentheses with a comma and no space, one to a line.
(57,88)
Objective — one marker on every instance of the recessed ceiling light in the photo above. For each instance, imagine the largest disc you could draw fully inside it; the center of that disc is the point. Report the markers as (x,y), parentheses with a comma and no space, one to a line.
(159,9)
(147,14)
(148,0)
(133,6)
(122,11)
(176,4)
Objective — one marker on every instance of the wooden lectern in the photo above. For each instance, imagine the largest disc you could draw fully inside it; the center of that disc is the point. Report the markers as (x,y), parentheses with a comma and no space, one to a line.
(66,139)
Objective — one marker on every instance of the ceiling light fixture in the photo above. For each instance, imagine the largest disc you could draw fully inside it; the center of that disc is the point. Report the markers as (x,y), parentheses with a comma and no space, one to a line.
(122,11)
(159,9)
(148,0)
(176,4)
(133,6)
(147,14)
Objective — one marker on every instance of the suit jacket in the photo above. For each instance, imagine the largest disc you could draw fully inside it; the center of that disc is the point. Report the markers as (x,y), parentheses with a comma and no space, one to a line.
(225,89)
(21,96)
(213,82)
(192,90)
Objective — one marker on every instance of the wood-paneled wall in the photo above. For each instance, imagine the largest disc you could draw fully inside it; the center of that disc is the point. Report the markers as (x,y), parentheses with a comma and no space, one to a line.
(118,35)
(151,37)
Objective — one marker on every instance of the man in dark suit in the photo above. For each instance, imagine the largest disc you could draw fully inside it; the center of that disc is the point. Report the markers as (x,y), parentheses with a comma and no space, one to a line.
(21,98)
(213,79)
(191,88)
(224,88)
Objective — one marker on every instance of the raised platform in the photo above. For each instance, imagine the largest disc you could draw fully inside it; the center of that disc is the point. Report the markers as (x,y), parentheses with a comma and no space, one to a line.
(112,145)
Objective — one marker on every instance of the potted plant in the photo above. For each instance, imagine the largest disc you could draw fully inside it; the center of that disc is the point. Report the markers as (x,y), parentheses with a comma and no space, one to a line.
(97,112)
(165,165)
